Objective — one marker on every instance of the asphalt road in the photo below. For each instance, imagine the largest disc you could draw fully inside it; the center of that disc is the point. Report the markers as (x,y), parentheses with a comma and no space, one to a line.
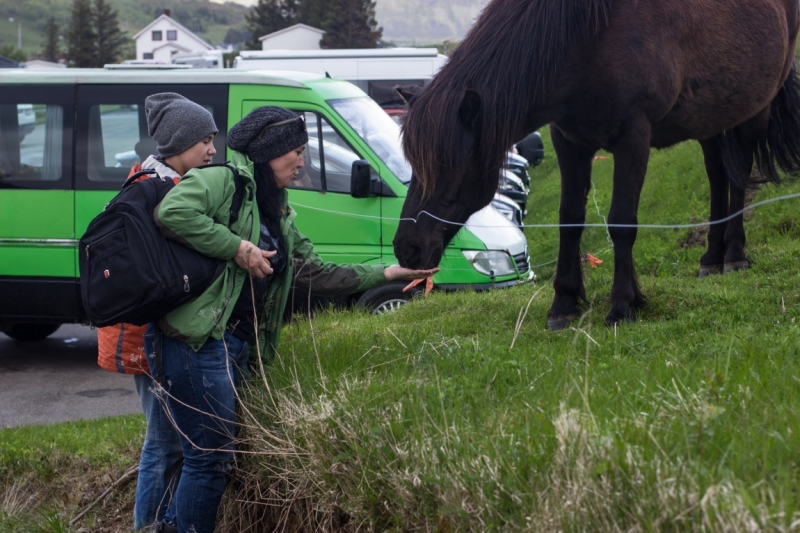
(57,380)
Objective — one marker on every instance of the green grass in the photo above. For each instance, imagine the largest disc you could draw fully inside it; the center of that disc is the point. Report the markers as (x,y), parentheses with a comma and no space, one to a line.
(49,473)
(684,420)
(429,419)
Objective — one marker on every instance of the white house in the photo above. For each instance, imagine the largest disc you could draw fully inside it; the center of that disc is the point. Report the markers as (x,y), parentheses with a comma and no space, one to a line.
(164,37)
(297,37)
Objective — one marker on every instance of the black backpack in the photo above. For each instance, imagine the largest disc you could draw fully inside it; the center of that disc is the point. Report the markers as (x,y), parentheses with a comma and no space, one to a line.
(131,273)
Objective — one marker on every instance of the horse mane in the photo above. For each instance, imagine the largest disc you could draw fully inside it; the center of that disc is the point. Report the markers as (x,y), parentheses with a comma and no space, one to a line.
(510,57)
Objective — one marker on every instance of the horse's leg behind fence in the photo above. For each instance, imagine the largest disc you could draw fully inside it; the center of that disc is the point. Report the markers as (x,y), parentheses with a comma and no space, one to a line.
(575,162)
(631,154)
(711,262)
(733,153)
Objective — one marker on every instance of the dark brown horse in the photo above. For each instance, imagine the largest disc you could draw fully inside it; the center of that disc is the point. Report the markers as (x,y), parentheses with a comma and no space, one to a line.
(618,75)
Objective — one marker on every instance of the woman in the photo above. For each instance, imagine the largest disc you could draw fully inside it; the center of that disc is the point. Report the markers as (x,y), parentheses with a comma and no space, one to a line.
(206,343)
(183,132)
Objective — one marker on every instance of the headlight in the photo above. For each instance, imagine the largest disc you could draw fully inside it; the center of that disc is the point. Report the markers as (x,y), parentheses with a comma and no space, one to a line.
(491,263)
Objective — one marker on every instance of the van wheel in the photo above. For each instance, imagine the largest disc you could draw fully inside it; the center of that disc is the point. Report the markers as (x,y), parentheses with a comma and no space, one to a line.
(387,298)
(30,332)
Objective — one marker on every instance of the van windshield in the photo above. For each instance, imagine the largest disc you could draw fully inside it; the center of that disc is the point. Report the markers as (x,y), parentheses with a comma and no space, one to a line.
(378,130)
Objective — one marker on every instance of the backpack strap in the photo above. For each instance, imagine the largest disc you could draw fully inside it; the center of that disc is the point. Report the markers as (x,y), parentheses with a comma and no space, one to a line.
(136,175)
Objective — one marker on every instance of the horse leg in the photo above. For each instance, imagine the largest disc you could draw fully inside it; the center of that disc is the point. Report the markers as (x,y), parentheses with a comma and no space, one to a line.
(729,161)
(735,256)
(575,162)
(711,261)
(749,134)
(631,154)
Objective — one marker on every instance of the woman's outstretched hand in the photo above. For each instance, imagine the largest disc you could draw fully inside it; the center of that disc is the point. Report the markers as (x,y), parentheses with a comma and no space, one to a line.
(254,260)
(398,273)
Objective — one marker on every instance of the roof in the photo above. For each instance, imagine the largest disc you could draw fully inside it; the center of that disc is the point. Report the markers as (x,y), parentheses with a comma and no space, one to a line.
(339,53)
(290,29)
(144,75)
(178,25)
(172,44)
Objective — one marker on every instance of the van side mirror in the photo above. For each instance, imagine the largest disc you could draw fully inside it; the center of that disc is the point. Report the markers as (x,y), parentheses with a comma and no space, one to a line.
(361,179)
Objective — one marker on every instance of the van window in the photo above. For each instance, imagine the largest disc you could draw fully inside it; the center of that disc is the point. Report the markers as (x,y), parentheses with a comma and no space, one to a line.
(378,130)
(327,167)
(112,129)
(116,145)
(31,141)
(115,131)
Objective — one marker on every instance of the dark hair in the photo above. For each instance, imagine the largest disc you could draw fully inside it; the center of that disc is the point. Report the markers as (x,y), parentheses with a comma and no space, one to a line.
(268,196)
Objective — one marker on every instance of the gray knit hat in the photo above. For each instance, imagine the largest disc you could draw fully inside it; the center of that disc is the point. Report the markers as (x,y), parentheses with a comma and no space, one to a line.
(267,133)
(176,123)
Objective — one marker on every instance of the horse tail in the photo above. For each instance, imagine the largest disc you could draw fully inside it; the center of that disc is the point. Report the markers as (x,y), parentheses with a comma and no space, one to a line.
(779,147)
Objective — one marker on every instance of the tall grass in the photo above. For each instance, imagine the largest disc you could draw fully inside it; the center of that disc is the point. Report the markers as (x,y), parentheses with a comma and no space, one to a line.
(428,419)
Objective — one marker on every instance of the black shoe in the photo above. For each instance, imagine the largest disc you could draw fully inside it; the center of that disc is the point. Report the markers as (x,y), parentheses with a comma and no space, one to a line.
(166,527)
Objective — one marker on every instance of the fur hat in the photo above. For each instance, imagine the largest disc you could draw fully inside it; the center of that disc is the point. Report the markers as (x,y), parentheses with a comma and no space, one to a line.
(176,123)
(267,133)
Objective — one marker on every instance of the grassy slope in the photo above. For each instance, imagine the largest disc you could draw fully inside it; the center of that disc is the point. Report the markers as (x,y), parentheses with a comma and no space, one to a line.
(429,420)
(684,420)
(49,473)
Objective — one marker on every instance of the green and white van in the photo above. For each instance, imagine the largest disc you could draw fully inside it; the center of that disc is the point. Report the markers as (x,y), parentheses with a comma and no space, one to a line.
(90,127)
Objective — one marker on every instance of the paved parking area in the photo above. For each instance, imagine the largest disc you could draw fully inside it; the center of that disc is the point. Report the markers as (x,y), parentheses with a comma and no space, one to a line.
(57,379)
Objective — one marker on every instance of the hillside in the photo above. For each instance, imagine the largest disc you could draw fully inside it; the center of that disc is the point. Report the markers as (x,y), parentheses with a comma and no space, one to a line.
(426,21)
(211,21)
(416,22)
(408,22)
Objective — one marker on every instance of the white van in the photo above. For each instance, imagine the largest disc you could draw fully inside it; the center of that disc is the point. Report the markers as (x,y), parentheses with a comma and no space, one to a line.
(376,71)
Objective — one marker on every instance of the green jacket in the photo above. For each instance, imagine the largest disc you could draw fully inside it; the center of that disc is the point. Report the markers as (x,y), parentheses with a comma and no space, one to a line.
(197,210)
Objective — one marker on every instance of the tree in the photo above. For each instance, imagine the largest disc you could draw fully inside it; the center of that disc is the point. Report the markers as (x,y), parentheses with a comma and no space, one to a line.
(81,37)
(109,39)
(269,16)
(12,52)
(236,36)
(314,12)
(51,47)
(351,24)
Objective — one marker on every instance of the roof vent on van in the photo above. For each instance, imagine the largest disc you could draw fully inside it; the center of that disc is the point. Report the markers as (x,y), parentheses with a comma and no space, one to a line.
(144,66)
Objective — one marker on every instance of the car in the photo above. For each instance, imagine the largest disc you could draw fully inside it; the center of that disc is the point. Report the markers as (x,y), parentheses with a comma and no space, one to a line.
(508,208)
(519,166)
(511,186)
(531,148)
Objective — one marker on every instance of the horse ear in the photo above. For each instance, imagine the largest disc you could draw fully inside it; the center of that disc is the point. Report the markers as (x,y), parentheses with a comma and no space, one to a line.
(405,94)
(469,108)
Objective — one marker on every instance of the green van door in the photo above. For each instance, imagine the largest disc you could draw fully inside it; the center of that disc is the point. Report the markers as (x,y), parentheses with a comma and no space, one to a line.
(37,230)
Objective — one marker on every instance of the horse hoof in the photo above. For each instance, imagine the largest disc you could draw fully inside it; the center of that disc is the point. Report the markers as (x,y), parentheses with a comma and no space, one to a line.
(559,323)
(615,317)
(707,270)
(737,265)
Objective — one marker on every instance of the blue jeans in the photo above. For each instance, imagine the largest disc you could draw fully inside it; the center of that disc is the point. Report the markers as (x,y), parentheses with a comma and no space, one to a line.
(200,392)
(162,456)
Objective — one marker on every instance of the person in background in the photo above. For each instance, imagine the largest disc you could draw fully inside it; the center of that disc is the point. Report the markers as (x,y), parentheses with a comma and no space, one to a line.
(183,132)
(206,344)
